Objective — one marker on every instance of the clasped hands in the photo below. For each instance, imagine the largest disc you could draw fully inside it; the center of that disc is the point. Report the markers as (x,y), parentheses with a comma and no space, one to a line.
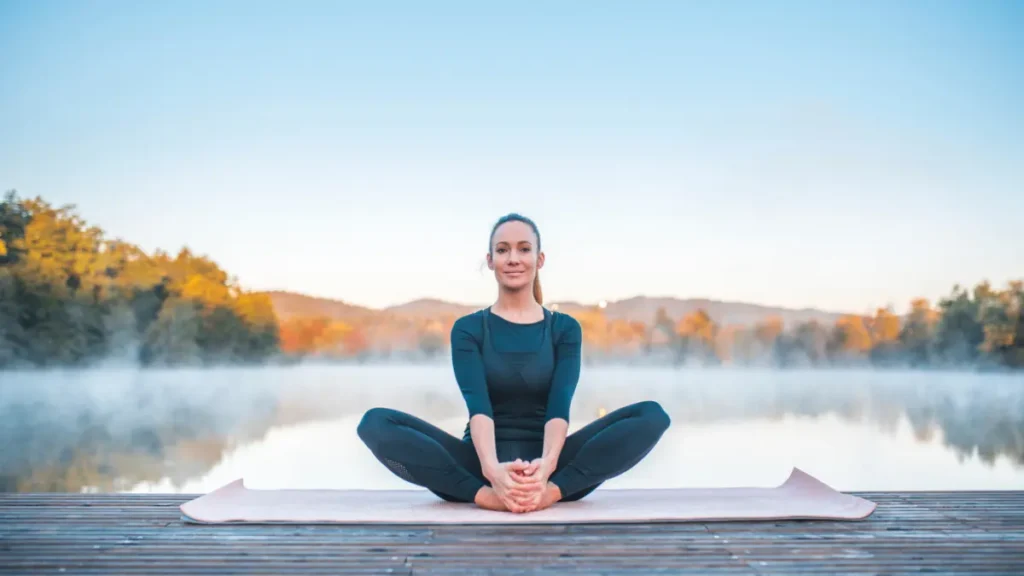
(523,486)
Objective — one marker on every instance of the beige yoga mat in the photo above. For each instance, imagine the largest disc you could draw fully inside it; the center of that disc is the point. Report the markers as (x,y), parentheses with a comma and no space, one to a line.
(801,496)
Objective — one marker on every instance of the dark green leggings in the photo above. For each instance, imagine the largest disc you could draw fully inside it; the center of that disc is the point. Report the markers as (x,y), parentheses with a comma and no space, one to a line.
(427,456)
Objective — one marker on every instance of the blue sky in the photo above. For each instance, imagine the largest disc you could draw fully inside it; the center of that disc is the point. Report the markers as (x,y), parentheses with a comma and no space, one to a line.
(836,155)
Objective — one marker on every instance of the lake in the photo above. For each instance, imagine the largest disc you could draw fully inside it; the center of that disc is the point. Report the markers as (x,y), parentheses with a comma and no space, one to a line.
(122,430)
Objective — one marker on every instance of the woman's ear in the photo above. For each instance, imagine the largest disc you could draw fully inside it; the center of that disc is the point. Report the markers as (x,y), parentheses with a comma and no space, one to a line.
(540,261)
(490,261)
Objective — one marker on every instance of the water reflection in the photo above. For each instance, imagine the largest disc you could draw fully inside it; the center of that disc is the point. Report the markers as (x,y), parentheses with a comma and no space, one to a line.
(195,430)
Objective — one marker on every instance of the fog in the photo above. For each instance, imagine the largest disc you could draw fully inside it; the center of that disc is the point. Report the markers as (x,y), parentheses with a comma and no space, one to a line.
(112,429)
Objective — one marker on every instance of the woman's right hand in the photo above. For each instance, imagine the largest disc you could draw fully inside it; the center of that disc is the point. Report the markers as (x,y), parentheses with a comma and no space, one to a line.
(512,487)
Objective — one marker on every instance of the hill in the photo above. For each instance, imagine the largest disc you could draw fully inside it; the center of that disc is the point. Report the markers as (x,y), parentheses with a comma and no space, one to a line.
(645,308)
(426,308)
(640,308)
(289,305)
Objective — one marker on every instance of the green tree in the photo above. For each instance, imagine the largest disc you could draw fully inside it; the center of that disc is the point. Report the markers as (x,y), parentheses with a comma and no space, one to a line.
(69,296)
(1000,313)
(174,338)
(960,333)
(918,332)
(810,341)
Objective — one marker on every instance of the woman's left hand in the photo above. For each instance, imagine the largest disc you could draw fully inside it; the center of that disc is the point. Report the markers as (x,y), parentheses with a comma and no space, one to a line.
(540,469)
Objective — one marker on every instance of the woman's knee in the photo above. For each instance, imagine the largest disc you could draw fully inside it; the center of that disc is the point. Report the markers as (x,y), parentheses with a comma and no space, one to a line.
(652,413)
(373,424)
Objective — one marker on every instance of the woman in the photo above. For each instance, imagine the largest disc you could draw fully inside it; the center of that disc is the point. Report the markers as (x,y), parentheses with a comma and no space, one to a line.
(517,365)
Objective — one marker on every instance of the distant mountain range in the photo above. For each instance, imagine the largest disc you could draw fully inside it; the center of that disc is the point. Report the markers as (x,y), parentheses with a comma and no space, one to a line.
(640,308)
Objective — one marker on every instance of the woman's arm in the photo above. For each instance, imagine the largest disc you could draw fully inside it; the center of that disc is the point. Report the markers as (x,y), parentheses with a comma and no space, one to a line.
(555,431)
(563,386)
(481,428)
(468,365)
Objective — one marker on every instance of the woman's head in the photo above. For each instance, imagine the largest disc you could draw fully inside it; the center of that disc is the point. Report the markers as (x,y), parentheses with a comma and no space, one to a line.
(515,256)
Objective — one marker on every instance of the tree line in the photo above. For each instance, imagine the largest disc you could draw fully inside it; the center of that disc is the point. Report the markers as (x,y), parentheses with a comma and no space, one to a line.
(982,327)
(70,296)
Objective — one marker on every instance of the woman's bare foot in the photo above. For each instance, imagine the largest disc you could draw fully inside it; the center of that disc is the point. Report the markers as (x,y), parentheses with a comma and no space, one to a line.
(488,499)
(552,494)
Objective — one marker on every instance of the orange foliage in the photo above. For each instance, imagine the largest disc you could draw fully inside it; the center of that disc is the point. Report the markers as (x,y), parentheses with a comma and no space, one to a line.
(884,327)
(853,334)
(300,335)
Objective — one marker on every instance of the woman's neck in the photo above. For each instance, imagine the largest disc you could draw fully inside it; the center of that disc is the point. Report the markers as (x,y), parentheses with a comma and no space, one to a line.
(518,306)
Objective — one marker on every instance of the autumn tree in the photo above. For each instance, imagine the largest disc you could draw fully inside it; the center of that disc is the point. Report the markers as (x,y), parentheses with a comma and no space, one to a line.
(884,329)
(594,326)
(696,335)
(918,331)
(850,340)
(1001,313)
(70,296)
(767,334)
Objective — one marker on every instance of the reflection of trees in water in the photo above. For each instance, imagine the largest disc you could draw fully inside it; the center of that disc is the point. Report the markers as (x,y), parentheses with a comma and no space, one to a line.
(62,458)
(992,426)
(979,415)
(108,436)
(110,433)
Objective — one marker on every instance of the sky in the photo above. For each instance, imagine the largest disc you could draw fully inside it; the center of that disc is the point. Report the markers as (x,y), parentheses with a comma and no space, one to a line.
(840,155)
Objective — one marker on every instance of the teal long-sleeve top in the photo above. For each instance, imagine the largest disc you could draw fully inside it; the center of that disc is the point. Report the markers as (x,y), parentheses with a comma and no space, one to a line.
(520,375)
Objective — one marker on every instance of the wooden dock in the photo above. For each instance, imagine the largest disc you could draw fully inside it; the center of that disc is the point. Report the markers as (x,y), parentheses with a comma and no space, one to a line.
(910,533)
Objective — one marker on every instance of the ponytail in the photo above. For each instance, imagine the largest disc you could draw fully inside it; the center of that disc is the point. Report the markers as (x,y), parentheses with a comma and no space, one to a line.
(538,294)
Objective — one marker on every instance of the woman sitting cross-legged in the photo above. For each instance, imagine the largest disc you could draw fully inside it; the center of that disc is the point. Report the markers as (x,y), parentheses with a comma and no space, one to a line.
(517,365)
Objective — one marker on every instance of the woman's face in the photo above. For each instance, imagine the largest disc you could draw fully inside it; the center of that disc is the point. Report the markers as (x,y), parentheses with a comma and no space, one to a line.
(514,256)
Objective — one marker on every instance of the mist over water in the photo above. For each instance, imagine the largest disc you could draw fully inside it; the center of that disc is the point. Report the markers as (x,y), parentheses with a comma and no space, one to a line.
(124,429)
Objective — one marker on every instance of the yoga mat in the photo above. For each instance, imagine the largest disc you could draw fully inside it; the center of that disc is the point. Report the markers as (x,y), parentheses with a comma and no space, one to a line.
(801,496)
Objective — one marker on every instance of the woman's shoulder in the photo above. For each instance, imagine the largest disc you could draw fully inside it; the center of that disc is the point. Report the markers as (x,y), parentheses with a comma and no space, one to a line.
(565,326)
(470,324)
